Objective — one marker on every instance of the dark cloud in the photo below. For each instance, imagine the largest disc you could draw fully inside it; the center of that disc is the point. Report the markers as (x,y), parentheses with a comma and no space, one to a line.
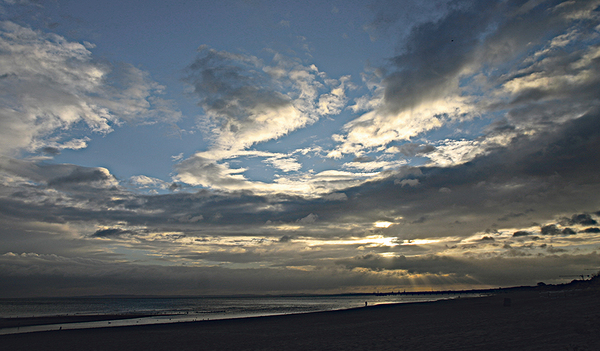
(81,175)
(50,151)
(581,219)
(521,233)
(534,56)
(550,229)
(514,215)
(421,219)
(413,149)
(285,239)
(232,86)
(591,230)
(492,270)
(435,53)
(543,89)
(523,177)
(110,233)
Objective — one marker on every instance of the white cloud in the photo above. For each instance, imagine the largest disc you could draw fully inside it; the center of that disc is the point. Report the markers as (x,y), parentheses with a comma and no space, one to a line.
(375,165)
(148,183)
(198,170)
(454,152)
(409,182)
(376,129)
(48,84)
(310,219)
(247,102)
(286,164)
(213,169)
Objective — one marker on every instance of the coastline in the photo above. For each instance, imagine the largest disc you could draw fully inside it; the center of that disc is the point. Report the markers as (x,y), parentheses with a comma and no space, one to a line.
(532,321)
(160,310)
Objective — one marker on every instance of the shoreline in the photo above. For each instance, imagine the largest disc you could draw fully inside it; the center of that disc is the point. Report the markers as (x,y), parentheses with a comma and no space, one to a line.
(531,321)
(13,325)
(66,321)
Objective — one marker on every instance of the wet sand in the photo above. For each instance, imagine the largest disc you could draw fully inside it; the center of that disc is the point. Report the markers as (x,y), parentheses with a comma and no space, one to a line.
(533,321)
(29,321)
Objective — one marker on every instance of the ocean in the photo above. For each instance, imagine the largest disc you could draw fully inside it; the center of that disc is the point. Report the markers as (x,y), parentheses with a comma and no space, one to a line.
(184,309)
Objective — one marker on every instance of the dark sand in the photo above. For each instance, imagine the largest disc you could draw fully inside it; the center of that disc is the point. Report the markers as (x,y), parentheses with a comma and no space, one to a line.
(533,321)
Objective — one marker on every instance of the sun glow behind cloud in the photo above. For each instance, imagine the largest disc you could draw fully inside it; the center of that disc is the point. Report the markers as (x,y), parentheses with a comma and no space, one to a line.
(383,224)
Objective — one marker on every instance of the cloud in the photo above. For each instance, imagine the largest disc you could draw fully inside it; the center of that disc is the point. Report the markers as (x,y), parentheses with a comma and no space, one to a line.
(451,68)
(310,219)
(82,175)
(284,163)
(521,177)
(112,232)
(580,219)
(521,233)
(409,182)
(212,172)
(248,102)
(49,84)
(28,274)
(55,176)
(335,197)
(63,276)
(421,91)
(413,149)
(198,170)
(177,157)
(389,18)
(285,239)
(492,270)
(50,150)
(524,177)
(550,229)
(151,184)
(209,228)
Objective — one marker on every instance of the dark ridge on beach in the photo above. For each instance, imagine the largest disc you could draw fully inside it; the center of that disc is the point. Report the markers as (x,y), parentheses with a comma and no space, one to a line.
(516,319)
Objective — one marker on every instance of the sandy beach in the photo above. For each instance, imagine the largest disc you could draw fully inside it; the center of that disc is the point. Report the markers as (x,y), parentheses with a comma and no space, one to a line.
(532,321)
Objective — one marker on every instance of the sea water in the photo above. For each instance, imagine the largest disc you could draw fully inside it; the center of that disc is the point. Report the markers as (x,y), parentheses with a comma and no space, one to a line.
(184,309)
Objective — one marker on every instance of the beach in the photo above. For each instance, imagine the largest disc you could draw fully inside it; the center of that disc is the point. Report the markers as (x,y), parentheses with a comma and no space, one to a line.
(527,320)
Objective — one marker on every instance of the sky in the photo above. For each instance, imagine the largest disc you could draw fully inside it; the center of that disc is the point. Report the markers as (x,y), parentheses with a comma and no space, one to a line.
(267,147)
